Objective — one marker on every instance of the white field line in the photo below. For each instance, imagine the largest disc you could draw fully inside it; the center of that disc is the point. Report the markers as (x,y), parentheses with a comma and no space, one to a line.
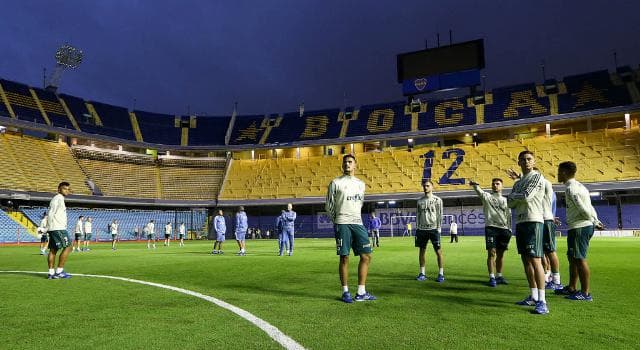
(273,332)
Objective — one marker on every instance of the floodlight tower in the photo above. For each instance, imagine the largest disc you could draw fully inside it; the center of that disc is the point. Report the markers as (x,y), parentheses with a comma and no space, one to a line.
(67,57)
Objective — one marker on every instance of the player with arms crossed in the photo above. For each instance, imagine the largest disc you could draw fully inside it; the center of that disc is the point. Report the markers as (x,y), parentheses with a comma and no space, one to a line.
(526,198)
(429,228)
(345,197)
(581,220)
(497,229)
(59,238)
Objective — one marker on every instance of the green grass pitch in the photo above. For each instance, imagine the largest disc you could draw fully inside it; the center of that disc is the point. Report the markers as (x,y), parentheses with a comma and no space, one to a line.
(300,296)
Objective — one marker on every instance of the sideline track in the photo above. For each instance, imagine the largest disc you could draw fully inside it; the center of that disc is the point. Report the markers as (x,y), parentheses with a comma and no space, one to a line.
(273,332)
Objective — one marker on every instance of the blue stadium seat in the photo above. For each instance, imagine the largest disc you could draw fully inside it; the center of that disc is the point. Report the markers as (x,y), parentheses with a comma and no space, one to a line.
(53,108)
(116,120)
(22,102)
(158,128)
(10,230)
(516,102)
(209,130)
(591,91)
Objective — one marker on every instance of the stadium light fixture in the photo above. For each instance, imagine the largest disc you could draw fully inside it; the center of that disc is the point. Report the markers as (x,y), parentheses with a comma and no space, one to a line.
(594,194)
(381,203)
(392,202)
(627,121)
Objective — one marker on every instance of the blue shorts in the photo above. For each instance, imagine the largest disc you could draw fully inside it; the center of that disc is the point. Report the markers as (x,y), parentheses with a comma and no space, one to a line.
(220,237)
(240,235)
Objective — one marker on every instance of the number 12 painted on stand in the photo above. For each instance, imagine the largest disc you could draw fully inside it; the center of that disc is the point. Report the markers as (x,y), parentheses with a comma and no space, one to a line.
(446,178)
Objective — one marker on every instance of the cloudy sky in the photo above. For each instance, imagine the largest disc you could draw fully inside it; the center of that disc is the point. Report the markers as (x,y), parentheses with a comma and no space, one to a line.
(169,56)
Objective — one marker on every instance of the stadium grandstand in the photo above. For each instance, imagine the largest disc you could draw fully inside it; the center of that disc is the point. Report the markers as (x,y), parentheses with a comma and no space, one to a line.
(181,167)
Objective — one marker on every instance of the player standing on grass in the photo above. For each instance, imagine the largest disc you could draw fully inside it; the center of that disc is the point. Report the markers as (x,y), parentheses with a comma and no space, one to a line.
(242,226)
(182,231)
(150,229)
(581,220)
(374,230)
(78,233)
(453,231)
(497,229)
(549,237)
(220,226)
(44,237)
(114,233)
(282,237)
(88,233)
(289,219)
(429,228)
(59,238)
(527,199)
(345,197)
(167,233)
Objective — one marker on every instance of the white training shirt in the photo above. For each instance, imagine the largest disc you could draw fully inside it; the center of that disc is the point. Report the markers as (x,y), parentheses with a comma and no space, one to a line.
(496,211)
(167,229)
(453,229)
(429,213)
(57,213)
(88,227)
(345,197)
(182,229)
(548,200)
(114,228)
(152,227)
(43,225)
(527,198)
(580,212)
(78,228)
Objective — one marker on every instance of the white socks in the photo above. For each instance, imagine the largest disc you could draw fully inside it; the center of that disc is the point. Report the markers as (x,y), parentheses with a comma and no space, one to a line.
(345,289)
(556,277)
(361,289)
(59,269)
(51,271)
(422,269)
(441,271)
(534,294)
(541,296)
(492,275)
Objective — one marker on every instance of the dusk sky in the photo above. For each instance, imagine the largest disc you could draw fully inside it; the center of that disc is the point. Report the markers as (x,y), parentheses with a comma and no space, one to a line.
(270,55)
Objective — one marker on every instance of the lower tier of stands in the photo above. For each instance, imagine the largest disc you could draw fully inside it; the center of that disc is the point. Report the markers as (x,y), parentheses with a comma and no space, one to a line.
(601,156)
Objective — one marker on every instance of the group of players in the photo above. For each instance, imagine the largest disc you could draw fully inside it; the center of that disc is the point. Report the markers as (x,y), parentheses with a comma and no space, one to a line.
(83,233)
(533,200)
(285,230)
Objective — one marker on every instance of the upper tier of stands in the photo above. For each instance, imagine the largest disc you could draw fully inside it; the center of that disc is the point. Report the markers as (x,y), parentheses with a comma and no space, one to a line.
(577,93)
(601,156)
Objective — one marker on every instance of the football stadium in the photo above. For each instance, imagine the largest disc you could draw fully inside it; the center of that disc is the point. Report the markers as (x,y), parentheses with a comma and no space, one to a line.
(198,230)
